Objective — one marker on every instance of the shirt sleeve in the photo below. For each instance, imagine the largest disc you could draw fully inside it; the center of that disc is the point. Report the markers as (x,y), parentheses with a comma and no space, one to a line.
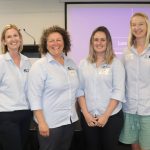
(80,91)
(2,69)
(118,90)
(36,81)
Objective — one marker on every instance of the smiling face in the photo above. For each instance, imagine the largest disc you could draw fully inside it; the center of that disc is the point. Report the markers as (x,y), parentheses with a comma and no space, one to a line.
(138,27)
(55,44)
(99,42)
(12,40)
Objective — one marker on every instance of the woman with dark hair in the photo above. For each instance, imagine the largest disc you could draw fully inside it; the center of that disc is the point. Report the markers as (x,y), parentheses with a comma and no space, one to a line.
(53,82)
(101,93)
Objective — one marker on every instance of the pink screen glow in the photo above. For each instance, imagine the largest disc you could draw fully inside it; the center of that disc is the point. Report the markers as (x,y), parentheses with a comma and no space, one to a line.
(82,19)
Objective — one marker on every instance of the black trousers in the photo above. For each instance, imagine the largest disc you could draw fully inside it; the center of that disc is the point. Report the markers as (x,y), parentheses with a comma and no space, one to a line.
(106,138)
(59,139)
(14,129)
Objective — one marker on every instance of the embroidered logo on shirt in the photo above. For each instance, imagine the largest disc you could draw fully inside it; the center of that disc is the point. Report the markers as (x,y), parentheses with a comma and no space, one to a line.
(147,56)
(70,68)
(26,70)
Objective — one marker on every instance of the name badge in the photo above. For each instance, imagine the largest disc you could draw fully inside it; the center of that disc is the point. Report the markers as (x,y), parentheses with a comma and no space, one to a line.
(71,71)
(104,71)
(129,56)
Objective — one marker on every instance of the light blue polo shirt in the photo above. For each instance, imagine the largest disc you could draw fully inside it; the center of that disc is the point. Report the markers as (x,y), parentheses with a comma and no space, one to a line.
(100,84)
(13,83)
(137,67)
(52,88)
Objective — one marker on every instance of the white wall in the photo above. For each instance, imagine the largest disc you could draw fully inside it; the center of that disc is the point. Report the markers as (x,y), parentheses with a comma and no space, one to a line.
(33,15)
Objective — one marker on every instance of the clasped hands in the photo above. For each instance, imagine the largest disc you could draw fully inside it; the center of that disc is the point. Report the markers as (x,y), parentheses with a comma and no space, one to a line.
(99,121)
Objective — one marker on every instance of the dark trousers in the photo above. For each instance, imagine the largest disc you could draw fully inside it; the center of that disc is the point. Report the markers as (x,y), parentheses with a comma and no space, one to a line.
(106,138)
(60,138)
(14,129)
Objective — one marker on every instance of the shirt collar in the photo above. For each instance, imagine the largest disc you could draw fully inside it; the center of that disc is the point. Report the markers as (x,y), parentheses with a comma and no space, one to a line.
(50,57)
(133,49)
(8,57)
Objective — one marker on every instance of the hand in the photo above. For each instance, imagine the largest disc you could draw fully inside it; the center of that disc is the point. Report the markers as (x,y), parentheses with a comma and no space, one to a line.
(43,129)
(90,120)
(102,120)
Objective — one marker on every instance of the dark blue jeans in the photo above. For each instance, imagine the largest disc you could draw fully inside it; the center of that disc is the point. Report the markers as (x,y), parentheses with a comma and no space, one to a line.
(106,138)
(14,129)
(59,139)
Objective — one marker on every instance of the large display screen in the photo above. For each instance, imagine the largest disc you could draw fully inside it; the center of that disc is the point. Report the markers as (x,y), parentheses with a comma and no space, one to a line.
(82,18)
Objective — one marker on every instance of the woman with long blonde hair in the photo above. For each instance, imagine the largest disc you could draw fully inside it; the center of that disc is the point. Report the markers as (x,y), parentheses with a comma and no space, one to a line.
(137,66)
(101,93)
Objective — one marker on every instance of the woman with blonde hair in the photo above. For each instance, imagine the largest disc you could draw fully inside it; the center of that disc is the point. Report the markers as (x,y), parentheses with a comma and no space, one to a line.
(15,115)
(101,93)
(137,67)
